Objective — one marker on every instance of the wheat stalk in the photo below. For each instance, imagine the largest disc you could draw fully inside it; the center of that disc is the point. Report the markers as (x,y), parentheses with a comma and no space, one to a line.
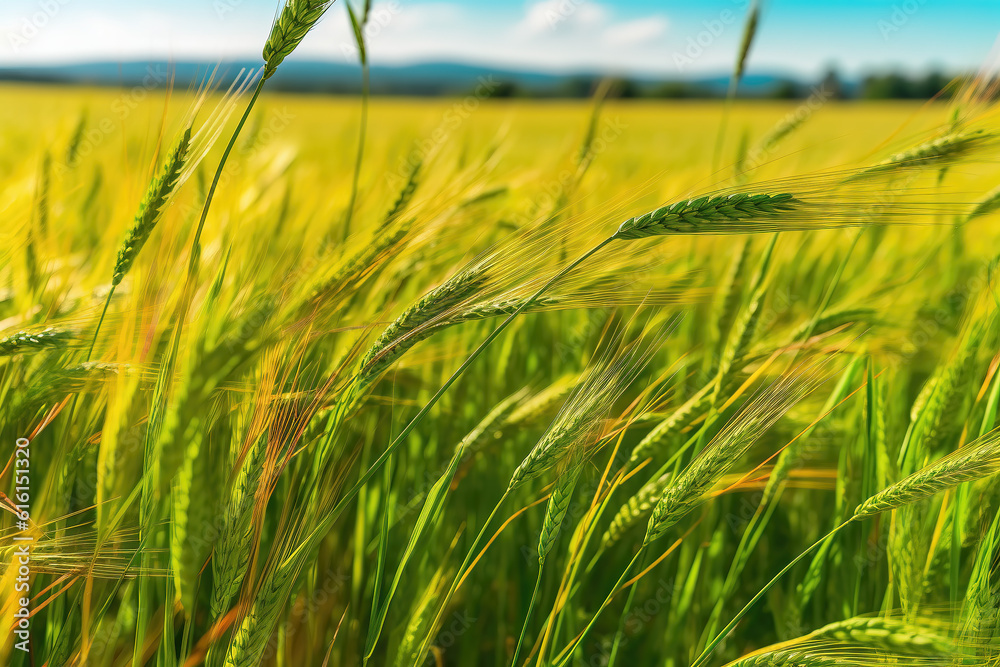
(151,207)
(728,447)
(976,460)
(296,19)
(711,214)
(940,151)
(412,326)
(30,341)
(888,634)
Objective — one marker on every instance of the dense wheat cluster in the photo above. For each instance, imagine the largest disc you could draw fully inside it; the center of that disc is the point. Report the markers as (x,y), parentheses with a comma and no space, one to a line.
(510,384)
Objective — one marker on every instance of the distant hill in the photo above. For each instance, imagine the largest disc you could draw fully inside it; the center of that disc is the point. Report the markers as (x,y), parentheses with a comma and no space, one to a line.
(432,78)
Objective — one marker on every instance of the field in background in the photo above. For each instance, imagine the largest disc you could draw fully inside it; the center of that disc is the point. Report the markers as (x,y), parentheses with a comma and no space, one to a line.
(175,489)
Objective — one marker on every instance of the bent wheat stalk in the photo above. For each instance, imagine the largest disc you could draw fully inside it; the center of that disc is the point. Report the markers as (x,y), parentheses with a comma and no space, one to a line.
(29,341)
(294,22)
(150,211)
(718,214)
(976,460)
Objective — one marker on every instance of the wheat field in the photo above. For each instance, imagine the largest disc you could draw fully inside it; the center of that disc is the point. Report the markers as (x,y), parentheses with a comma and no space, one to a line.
(520,383)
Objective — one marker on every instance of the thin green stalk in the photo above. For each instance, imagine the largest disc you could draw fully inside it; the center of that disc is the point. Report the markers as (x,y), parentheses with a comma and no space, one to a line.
(374,624)
(462,569)
(90,352)
(362,134)
(832,288)
(616,644)
(349,496)
(195,244)
(100,321)
(527,617)
(567,652)
(736,619)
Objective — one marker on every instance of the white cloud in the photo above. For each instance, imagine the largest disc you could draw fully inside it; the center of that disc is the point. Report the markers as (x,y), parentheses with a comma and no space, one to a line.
(555,15)
(635,33)
(555,35)
(81,34)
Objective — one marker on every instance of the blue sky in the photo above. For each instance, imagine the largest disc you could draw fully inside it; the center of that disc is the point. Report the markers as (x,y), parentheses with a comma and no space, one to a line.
(640,36)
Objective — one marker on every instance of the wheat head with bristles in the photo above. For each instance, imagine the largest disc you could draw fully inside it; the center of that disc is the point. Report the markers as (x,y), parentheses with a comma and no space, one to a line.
(23,342)
(710,214)
(576,423)
(581,417)
(736,438)
(941,151)
(680,419)
(152,205)
(489,425)
(254,631)
(818,653)
(296,19)
(889,634)
(636,507)
(415,323)
(555,510)
(232,550)
(976,460)
(864,640)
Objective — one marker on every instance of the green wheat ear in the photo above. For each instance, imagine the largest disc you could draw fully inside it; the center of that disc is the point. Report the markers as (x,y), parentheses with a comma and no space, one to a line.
(974,461)
(888,634)
(409,328)
(936,152)
(710,215)
(151,207)
(297,18)
(30,341)
(555,510)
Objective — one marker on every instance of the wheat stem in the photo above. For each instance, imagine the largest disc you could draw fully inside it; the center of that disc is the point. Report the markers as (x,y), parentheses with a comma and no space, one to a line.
(566,653)
(527,617)
(196,243)
(100,321)
(739,616)
(398,440)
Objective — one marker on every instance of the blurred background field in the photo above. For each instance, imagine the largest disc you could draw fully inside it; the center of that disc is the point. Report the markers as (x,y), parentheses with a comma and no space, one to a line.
(263,433)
